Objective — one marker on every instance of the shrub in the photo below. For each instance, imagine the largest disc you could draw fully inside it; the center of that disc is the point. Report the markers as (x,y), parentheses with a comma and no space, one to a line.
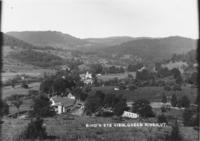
(143,108)
(162,119)
(163,109)
(4,108)
(164,98)
(174,100)
(42,107)
(177,88)
(34,130)
(120,107)
(184,102)
(167,88)
(175,133)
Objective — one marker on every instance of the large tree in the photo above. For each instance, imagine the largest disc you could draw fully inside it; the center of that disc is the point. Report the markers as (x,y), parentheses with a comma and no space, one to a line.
(34,130)
(174,100)
(164,98)
(42,107)
(143,108)
(184,102)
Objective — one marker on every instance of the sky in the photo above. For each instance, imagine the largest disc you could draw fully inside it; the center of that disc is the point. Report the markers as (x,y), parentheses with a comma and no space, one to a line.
(103,18)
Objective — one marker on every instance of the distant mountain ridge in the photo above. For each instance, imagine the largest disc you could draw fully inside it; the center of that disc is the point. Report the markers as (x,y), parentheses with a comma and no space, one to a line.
(110,41)
(61,40)
(154,49)
(48,38)
(147,48)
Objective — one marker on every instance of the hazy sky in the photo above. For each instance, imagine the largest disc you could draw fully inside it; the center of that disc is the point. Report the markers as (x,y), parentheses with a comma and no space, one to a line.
(102,18)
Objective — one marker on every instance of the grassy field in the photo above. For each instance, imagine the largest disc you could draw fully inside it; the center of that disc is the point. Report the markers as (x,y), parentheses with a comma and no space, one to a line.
(118,75)
(74,129)
(153,94)
(8,90)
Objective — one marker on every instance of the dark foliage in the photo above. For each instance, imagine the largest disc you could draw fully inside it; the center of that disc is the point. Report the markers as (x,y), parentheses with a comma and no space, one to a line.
(42,107)
(58,84)
(177,87)
(162,119)
(4,108)
(92,104)
(189,117)
(167,88)
(144,75)
(163,109)
(95,103)
(35,130)
(134,67)
(174,100)
(175,133)
(119,107)
(37,58)
(164,98)
(184,102)
(163,72)
(142,107)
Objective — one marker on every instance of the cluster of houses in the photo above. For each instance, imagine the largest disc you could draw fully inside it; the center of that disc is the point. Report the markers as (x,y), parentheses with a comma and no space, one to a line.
(62,104)
(69,102)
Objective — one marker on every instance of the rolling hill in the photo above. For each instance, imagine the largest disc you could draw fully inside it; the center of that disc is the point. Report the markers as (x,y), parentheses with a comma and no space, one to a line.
(49,38)
(109,41)
(153,49)
(124,48)
(19,55)
(60,40)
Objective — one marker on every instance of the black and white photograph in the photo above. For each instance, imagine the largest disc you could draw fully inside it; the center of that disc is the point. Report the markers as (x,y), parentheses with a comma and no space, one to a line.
(99,70)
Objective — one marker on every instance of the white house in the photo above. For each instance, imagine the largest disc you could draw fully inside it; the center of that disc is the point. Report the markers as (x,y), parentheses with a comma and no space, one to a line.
(86,78)
(62,104)
(70,96)
(130,115)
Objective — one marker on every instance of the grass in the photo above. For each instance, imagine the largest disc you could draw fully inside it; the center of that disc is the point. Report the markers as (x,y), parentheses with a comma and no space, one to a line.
(75,130)
(107,77)
(8,90)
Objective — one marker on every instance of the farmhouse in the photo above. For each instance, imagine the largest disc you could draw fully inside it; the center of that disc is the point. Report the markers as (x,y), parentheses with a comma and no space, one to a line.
(86,78)
(130,115)
(62,104)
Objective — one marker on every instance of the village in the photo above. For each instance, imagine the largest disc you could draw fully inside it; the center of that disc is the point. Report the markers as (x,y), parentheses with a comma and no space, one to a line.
(134,97)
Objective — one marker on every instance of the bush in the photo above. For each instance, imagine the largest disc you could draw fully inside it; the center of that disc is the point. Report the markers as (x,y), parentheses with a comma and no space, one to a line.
(143,108)
(163,109)
(162,119)
(174,100)
(164,98)
(190,117)
(4,108)
(120,107)
(132,87)
(167,88)
(35,130)
(42,107)
(177,88)
(175,134)
(25,86)
(184,102)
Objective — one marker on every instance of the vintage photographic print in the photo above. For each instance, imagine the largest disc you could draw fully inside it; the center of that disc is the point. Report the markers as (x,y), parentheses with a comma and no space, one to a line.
(99,70)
